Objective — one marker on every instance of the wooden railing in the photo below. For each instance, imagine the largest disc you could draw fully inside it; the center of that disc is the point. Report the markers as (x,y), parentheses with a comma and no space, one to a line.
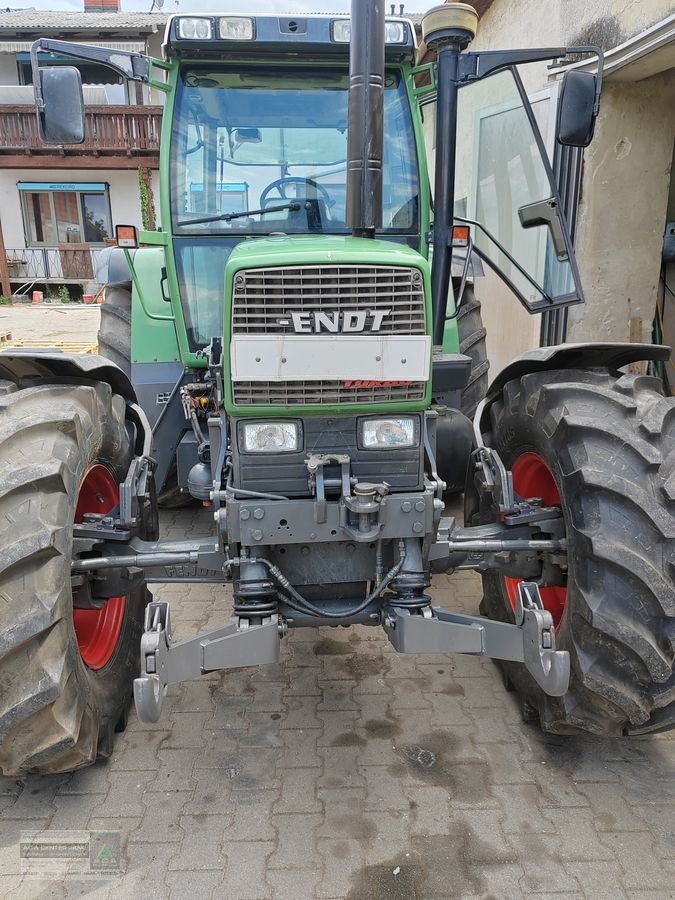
(111,130)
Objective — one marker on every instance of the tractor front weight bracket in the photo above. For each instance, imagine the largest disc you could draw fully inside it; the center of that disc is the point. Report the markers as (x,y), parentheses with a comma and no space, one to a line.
(163,662)
(531,640)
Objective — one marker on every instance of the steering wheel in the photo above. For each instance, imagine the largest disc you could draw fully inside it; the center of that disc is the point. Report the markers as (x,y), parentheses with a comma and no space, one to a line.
(280,186)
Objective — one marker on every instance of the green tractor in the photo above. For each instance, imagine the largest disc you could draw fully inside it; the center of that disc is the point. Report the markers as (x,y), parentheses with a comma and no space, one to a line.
(300,349)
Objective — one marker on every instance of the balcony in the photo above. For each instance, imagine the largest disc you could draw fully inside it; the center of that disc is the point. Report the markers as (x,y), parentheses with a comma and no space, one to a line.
(117,137)
(51,265)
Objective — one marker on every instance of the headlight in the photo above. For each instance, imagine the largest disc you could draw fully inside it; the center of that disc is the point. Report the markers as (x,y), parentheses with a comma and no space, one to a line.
(384,434)
(192,28)
(394,32)
(342,31)
(270,437)
(236,28)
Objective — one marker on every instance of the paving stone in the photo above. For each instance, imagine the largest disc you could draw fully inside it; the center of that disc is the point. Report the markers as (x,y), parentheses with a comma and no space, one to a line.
(229,712)
(611,812)
(340,767)
(301,656)
(407,694)
(392,834)
(303,684)
(263,731)
(337,696)
(298,749)
(557,789)
(137,751)
(126,827)
(542,863)
(299,712)
(202,844)
(296,836)
(162,817)
(293,885)
(187,730)
(211,795)
(384,790)
(9,885)
(577,837)
(267,697)
(338,727)
(146,873)
(36,799)
(174,770)
(521,811)
(251,817)
(343,813)
(245,873)
(298,792)
(124,797)
(429,810)
(598,880)
(91,780)
(69,813)
(342,860)
(661,822)
(247,769)
(195,884)
(635,852)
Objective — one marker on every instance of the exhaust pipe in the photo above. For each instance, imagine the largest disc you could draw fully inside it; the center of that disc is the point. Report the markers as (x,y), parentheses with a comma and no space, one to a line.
(366,118)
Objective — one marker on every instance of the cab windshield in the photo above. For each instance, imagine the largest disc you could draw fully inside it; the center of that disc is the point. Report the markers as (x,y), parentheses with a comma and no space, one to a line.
(276,141)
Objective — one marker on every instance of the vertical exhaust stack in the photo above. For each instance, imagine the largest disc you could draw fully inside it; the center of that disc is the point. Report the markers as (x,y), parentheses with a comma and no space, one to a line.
(448,29)
(366,118)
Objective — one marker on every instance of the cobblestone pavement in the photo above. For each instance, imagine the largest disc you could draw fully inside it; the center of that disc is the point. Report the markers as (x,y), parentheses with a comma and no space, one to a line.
(348,771)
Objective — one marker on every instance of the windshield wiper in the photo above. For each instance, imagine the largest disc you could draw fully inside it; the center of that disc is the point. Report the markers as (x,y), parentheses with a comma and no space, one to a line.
(227,217)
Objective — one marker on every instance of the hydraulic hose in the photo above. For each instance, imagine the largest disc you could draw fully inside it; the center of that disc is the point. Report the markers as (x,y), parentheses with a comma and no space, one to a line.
(303,605)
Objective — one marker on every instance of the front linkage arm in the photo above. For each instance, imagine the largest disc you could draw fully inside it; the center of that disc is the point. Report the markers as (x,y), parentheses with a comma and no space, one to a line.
(530,641)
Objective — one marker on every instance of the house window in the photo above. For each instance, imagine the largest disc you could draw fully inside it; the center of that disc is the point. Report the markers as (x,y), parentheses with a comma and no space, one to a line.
(56,214)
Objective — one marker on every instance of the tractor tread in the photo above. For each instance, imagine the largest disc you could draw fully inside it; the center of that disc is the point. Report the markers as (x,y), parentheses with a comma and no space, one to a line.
(610,441)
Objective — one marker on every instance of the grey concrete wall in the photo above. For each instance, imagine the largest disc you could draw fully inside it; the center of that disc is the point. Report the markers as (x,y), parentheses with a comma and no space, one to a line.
(623,210)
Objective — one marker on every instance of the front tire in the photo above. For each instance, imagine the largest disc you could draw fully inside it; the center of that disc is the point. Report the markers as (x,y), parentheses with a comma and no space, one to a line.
(472,342)
(608,445)
(66,676)
(114,334)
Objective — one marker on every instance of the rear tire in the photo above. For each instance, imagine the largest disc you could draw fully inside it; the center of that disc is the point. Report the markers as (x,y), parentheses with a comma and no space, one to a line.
(56,713)
(472,336)
(609,444)
(114,335)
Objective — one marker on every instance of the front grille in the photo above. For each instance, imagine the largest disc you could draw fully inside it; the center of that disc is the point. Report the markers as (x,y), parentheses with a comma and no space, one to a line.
(306,393)
(264,296)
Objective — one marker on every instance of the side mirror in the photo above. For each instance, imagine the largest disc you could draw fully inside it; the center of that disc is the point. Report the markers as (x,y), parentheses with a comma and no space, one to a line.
(577,109)
(60,105)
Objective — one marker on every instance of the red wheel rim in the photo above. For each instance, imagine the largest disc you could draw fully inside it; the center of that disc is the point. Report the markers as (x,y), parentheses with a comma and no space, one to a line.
(98,630)
(533,478)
